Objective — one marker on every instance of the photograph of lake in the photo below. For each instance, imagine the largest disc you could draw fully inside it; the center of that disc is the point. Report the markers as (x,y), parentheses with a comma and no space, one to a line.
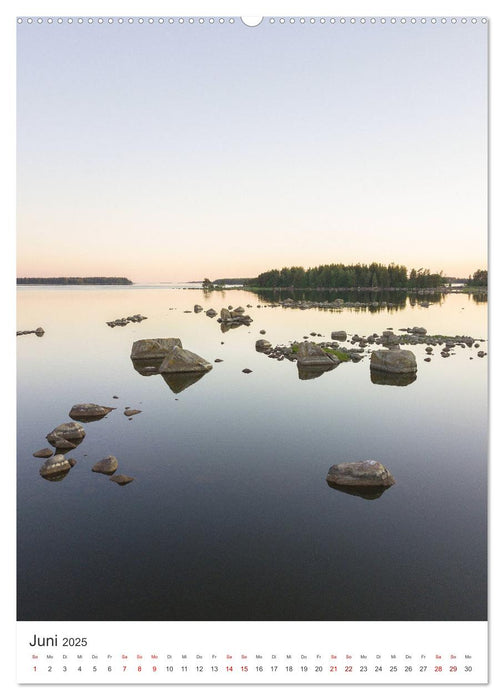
(252,319)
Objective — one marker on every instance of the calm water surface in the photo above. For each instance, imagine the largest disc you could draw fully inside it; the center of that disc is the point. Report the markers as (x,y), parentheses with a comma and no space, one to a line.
(230,516)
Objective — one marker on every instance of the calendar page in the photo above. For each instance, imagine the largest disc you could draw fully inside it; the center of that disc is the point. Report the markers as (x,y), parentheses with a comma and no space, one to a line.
(252,347)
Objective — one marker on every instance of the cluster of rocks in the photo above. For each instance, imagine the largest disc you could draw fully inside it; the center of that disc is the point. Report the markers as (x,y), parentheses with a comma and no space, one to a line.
(179,367)
(68,436)
(38,332)
(367,479)
(309,352)
(303,305)
(232,318)
(137,318)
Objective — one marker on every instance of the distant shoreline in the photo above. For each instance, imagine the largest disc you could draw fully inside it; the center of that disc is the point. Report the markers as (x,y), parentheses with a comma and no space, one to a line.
(73,280)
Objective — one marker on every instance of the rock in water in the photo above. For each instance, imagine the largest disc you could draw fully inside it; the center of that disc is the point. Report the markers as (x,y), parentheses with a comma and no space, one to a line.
(338,335)
(368,473)
(394,361)
(180,360)
(107,465)
(131,411)
(311,355)
(152,348)
(87,412)
(122,479)
(262,345)
(45,452)
(55,467)
(73,432)
(197,308)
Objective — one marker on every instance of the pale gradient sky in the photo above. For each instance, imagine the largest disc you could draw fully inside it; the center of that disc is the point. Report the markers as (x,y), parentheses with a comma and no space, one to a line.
(174,152)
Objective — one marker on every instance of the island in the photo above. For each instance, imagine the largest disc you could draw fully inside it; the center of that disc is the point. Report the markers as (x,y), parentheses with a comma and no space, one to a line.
(73,280)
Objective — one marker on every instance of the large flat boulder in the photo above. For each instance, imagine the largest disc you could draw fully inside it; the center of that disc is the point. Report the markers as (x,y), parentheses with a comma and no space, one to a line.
(368,473)
(181,360)
(310,355)
(393,361)
(153,348)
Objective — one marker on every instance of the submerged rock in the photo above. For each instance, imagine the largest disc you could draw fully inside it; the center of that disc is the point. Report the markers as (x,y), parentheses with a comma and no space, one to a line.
(107,465)
(153,348)
(122,479)
(88,412)
(368,473)
(73,432)
(181,360)
(394,361)
(55,467)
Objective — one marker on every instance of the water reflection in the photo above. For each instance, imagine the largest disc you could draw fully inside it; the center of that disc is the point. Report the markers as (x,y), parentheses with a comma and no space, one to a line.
(177,381)
(312,372)
(148,367)
(376,301)
(392,378)
(370,493)
(183,380)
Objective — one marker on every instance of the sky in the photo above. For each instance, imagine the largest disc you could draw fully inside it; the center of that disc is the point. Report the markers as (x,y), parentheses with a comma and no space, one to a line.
(172,152)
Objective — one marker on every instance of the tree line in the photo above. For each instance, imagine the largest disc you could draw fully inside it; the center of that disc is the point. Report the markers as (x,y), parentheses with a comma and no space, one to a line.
(479,279)
(359,275)
(73,280)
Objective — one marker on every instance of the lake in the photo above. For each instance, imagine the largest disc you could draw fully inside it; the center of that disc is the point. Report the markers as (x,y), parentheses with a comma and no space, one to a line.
(230,516)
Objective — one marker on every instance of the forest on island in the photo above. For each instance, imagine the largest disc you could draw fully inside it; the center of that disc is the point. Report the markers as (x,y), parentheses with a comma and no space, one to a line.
(359,275)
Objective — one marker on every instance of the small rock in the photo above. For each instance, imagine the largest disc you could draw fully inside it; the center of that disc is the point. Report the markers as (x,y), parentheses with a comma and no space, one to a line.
(45,452)
(262,345)
(218,360)
(131,412)
(246,370)
(55,466)
(89,411)
(107,465)
(121,479)
(262,332)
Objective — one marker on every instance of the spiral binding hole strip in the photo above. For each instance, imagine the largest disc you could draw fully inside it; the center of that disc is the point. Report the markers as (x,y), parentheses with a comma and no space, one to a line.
(233,20)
